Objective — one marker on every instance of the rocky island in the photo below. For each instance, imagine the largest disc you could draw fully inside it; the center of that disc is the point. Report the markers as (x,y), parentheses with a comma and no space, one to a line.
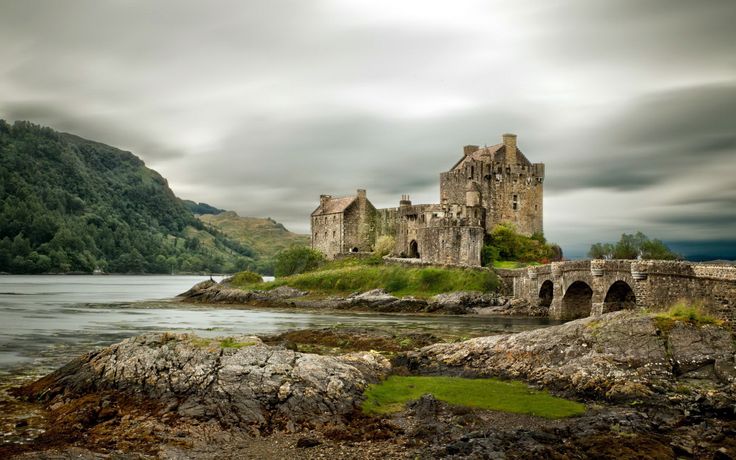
(653,385)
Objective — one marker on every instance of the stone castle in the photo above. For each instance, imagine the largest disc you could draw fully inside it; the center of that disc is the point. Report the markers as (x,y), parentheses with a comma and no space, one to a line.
(487,186)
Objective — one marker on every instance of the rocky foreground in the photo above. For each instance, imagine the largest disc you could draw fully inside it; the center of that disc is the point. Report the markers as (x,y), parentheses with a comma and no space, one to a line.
(655,389)
(376,300)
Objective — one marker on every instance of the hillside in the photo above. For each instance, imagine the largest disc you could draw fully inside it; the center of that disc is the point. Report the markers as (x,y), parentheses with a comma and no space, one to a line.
(72,205)
(265,236)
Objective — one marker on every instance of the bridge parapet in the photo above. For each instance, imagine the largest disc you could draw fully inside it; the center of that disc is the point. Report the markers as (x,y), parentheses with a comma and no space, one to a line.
(654,284)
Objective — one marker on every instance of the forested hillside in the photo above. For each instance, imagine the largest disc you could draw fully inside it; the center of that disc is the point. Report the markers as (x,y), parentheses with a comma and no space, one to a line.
(71,205)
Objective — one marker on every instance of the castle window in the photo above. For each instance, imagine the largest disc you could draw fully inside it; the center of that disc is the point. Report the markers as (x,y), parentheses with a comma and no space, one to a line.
(516,202)
(472,172)
(334,233)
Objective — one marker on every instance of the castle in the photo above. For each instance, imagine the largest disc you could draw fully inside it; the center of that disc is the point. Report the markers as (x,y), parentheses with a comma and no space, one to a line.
(487,186)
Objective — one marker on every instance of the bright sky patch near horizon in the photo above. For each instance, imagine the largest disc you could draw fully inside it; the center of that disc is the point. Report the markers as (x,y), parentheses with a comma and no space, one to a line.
(262,106)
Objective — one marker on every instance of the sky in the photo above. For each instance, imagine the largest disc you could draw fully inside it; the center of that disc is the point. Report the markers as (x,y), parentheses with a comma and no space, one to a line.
(261,106)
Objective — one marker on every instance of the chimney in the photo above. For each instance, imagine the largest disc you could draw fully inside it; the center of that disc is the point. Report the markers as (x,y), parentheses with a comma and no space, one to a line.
(361,194)
(509,142)
(405,201)
(468,149)
(323,199)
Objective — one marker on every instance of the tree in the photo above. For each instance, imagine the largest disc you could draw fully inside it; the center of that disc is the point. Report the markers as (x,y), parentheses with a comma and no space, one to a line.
(633,246)
(505,243)
(297,259)
(384,246)
(601,251)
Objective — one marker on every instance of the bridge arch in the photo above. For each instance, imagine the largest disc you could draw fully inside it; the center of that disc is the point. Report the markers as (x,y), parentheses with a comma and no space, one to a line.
(577,302)
(546,294)
(620,296)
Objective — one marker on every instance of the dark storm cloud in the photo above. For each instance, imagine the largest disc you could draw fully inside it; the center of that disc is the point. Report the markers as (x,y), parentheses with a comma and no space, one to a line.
(656,138)
(262,106)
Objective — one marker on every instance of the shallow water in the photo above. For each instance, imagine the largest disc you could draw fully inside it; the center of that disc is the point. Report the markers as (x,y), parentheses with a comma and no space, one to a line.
(45,320)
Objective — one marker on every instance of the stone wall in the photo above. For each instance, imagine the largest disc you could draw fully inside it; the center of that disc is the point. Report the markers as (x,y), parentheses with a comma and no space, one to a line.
(358,228)
(327,234)
(457,245)
(652,285)
(509,193)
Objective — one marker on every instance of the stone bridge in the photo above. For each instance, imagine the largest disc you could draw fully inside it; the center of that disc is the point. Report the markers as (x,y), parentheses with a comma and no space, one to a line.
(579,288)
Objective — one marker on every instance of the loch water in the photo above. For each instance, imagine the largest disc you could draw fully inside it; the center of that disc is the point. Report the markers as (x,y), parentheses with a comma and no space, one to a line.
(46,320)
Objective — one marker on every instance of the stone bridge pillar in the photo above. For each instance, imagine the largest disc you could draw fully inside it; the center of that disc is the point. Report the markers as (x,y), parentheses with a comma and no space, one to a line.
(555,309)
(642,289)
(599,285)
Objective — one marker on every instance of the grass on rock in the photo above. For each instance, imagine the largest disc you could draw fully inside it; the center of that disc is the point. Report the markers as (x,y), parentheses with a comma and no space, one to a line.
(392,395)
(345,277)
(686,312)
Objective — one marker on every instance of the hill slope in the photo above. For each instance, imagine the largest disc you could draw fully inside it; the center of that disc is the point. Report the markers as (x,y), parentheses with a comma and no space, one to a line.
(265,236)
(70,205)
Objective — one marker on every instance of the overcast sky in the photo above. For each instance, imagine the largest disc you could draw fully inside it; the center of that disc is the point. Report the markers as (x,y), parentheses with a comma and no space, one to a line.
(262,106)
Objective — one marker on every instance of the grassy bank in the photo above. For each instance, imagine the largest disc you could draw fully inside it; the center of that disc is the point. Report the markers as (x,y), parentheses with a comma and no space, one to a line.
(345,277)
(392,394)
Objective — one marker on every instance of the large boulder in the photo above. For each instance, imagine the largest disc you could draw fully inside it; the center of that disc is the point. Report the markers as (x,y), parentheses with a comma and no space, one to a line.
(617,355)
(240,382)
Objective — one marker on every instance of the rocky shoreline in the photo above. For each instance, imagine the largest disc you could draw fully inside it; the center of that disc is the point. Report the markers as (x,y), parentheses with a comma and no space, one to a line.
(377,300)
(653,388)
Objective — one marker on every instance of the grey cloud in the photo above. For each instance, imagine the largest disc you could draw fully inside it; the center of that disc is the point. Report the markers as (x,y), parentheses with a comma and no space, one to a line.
(658,137)
(262,106)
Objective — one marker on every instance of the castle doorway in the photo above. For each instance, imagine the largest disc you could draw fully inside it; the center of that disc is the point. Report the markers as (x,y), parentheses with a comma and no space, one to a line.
(414,249)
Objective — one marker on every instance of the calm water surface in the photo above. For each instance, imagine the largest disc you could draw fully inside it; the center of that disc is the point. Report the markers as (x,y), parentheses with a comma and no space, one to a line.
(45,320)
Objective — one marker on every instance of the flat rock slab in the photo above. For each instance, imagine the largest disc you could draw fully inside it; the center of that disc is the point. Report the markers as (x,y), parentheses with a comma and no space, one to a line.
(621,354)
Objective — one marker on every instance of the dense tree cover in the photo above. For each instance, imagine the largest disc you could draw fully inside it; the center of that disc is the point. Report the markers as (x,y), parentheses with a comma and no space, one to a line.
(297,259)
(202,208)
(633,246)
(505,244)
(72,205)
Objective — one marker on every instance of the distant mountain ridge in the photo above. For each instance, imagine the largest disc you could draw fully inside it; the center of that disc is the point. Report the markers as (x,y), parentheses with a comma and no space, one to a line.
(266,236)
(68,204)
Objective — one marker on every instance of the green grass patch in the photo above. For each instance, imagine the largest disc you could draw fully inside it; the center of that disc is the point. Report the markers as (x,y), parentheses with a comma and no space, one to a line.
(392,395)
(685,312)
(246,278)
(230,342)
(401,281)
(512,264)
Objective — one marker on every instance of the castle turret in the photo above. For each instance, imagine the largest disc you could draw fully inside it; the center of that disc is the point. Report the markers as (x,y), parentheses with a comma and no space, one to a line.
(509,142)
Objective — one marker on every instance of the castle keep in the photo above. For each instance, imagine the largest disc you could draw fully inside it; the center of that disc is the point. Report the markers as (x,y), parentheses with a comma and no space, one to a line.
(487,186)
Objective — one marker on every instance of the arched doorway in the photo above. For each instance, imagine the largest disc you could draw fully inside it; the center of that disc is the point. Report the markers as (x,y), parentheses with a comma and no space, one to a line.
(578,301)
(546,293)
(414,249)
(620,296)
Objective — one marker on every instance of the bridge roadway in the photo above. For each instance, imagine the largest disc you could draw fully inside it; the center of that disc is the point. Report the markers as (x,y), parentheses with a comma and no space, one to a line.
(580,288)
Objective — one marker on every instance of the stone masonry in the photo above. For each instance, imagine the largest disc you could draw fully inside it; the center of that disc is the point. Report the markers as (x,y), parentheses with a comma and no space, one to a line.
(487,186)
(580,288)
